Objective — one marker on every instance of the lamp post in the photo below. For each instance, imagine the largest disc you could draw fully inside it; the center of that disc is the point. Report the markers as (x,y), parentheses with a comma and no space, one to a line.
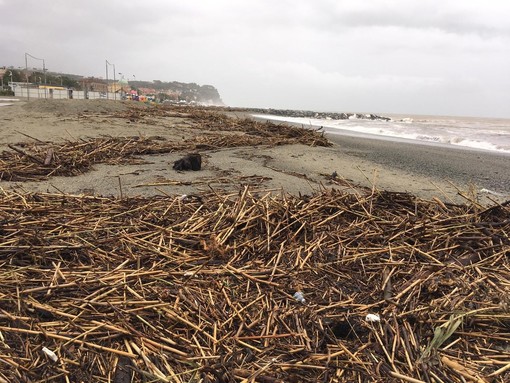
(114,80)
(106,79)
(26,74)
(26,68)
(114,84)
(44,71)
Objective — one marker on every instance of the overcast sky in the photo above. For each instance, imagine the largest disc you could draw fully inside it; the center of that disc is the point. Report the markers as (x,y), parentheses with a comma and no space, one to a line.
(449,57)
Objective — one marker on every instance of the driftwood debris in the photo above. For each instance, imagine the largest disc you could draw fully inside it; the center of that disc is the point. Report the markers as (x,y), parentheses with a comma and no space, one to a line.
(40,160)
(49,157)
(168,289)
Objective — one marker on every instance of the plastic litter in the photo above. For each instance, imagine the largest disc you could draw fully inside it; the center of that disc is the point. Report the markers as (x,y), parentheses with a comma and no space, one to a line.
(298,296)
(373,318)
(50,354)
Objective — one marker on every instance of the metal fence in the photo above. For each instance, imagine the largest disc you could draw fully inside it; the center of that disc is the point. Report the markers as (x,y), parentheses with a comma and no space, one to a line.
(50,93)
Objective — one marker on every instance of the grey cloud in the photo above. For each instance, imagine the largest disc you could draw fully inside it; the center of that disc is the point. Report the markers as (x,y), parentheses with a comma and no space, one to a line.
(328,54)
(467,17)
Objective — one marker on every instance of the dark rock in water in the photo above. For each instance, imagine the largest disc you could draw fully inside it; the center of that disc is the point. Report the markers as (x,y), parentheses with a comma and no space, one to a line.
(192,161)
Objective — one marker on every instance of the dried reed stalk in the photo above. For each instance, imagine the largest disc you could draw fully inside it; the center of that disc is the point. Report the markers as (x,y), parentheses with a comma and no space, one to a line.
(39,160)
(162,289)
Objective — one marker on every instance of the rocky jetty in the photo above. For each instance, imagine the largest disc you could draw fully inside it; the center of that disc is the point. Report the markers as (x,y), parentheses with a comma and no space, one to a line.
(318,115)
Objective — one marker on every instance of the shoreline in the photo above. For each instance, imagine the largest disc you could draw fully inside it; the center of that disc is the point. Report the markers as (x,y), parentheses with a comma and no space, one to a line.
(485,170)
(355,133)
(482,168)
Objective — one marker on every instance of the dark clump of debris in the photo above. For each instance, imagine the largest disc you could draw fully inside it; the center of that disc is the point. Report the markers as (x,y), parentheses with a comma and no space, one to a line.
(191,161)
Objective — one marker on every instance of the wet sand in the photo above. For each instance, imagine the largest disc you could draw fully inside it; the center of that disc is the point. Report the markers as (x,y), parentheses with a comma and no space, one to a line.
(484,170)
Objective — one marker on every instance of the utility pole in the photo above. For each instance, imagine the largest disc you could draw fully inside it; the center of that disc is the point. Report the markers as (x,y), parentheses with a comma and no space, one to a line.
(114,85)
(26,74)
(106,79)
(44,72)
(26,69)
(114,94)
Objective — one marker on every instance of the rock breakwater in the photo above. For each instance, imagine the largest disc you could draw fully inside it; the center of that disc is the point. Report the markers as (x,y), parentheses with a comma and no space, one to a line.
(312,114)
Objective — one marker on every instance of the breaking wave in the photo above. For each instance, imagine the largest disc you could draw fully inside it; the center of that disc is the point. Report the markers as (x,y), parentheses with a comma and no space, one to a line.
(462,132)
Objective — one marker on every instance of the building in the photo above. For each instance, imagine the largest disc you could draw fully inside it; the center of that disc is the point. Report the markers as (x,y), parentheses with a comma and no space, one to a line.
(147,91)
(94,84)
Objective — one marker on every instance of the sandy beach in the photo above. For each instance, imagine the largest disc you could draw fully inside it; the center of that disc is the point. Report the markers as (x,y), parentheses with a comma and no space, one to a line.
(425,171)
(290,258)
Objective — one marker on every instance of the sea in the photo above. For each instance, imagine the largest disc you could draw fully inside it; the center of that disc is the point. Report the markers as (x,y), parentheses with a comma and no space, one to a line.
(492,134)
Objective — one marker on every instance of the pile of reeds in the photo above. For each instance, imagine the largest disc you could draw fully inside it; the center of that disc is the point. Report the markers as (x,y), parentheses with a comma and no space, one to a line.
(39,160)
(212,120)
(216,119)
(203,289)
(147,114)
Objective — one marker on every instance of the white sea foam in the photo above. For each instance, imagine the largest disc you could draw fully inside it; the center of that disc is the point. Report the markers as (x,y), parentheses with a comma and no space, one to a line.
(474,133)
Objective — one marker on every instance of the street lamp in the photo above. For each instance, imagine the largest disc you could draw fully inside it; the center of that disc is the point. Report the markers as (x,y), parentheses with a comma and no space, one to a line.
(114,80)
(26,74)
(114,84)
(107,79)
(26,68)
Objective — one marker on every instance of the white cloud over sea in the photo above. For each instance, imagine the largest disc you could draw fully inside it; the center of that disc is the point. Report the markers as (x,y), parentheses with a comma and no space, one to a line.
(382,56)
